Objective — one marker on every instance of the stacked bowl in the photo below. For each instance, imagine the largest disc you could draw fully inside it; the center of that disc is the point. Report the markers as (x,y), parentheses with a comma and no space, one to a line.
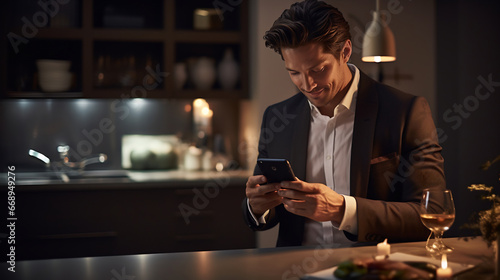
(54,75)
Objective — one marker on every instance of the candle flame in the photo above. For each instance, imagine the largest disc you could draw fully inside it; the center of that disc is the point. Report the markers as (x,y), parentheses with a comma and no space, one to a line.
(199,102)
(206,112)
(385,241)
(444,262)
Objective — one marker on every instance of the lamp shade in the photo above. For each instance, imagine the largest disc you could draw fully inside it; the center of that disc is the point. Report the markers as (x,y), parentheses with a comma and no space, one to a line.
(378,42)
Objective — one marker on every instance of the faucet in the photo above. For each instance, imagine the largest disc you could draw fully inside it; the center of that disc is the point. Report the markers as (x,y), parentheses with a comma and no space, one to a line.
(65,165)
(80,165)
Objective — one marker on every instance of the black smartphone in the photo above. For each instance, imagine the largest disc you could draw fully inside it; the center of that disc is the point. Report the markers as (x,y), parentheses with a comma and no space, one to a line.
(276,170)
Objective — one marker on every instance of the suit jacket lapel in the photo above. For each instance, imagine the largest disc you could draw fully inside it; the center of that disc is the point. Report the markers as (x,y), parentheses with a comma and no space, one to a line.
(363,133)
(298,155)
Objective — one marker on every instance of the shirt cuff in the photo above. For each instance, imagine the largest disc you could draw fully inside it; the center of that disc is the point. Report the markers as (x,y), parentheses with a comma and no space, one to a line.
(350,221)
(261,219)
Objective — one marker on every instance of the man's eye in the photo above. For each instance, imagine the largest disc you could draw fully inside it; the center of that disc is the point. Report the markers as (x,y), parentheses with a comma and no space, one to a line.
(294,73)
(319,70)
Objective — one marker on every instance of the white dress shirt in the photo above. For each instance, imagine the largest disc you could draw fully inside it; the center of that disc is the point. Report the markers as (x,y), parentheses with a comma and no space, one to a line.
(331,139)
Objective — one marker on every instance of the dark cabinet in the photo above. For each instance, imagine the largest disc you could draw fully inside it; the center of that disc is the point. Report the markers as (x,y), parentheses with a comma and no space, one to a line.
(79,223)
(121,49)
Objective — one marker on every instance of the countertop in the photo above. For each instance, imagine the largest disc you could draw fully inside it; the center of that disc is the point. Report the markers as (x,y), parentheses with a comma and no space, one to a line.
(113,179)
(262,264)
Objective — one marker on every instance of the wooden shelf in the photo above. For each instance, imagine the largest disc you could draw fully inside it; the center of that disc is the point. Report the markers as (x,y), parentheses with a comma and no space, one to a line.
(126,93)
(173,41)
(38,94)
(212,93)
(143,35)
(60,33)
(194,36)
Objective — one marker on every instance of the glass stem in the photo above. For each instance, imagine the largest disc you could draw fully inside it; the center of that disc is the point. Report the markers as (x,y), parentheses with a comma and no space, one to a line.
(428,245)
(438,235)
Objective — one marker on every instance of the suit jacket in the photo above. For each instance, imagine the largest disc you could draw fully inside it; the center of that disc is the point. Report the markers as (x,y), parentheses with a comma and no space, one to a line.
(395,154)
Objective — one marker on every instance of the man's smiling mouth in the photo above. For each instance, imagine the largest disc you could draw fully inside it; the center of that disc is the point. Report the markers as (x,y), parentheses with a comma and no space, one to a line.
(315,93)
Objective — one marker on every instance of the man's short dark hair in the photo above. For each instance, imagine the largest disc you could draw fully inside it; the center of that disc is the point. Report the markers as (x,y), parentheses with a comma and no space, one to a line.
(307,22)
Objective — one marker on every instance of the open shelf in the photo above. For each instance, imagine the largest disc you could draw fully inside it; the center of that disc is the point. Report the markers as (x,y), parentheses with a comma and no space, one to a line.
(39,94)
(88,32)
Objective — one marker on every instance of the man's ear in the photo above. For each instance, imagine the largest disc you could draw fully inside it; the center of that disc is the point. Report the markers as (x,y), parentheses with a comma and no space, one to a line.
(346,52)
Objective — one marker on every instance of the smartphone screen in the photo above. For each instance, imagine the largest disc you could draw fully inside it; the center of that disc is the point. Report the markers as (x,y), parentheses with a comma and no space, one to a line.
(276,170)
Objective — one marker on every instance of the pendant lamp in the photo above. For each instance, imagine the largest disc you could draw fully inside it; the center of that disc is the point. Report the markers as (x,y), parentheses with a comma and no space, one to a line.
(378,42)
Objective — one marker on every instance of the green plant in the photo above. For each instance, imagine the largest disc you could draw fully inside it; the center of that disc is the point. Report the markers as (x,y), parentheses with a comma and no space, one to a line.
(487,222)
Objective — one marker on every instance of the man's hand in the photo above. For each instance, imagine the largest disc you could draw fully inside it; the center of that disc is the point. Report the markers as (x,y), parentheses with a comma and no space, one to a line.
(262,197)
(314,201)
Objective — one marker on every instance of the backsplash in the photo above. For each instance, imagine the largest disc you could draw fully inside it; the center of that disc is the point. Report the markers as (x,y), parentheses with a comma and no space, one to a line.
(93,126)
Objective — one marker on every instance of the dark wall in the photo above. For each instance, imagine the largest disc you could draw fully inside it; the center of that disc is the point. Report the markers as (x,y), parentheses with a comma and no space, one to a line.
(468,95)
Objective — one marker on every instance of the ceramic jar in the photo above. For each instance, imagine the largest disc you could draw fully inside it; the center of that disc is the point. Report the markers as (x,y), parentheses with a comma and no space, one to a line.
(207,161)
(203,73)
(193,159)
(180,74)
(228,70)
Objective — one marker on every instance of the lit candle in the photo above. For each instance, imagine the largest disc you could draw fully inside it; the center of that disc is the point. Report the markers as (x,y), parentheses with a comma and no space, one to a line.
(383,248)
(206,120)
(444,272)
(198,105)
(202,117)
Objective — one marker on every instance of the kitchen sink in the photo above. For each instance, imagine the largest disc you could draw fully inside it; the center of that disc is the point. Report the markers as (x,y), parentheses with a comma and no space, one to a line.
(88,176)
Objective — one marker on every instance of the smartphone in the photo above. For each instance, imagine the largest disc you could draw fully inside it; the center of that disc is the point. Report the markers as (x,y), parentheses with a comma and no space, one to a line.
(276,170)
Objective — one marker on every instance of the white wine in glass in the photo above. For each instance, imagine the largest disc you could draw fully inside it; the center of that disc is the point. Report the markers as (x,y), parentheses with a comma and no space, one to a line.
(436,222)
(437,212)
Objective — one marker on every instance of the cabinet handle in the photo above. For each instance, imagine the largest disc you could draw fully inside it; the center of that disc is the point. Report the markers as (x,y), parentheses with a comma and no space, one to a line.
(76,235)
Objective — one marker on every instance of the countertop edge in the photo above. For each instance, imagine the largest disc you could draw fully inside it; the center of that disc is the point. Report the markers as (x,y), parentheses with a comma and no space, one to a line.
(145,180)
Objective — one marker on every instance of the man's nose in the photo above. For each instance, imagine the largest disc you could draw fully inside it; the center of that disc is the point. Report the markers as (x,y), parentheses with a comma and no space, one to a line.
(308,83)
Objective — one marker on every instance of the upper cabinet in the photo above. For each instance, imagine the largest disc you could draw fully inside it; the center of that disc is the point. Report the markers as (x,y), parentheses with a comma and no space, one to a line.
(125,49)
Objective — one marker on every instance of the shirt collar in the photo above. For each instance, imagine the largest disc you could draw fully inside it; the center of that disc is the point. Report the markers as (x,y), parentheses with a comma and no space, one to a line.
(349,100)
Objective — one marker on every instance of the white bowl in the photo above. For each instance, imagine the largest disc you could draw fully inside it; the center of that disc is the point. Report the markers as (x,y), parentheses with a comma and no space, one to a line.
(55,81)
(54,75)
(53,65)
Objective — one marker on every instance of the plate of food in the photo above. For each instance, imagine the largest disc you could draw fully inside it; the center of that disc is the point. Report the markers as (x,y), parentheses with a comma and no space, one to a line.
(396,266)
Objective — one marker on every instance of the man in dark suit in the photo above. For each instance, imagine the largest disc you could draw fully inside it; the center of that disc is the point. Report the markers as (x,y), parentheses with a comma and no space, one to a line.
(362,152)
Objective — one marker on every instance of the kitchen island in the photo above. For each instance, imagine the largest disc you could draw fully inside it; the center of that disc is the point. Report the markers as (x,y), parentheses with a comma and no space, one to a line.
(261,264)
(140,213)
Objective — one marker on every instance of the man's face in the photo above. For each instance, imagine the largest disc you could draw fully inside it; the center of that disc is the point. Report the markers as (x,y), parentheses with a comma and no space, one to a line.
(318,75)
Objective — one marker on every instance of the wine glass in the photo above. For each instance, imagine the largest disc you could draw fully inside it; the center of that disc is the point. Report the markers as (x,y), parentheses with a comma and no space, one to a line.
(437,212)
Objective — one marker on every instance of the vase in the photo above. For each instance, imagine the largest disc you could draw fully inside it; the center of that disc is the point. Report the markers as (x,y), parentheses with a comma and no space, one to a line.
(228,71)
(203,73)
(180,74)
